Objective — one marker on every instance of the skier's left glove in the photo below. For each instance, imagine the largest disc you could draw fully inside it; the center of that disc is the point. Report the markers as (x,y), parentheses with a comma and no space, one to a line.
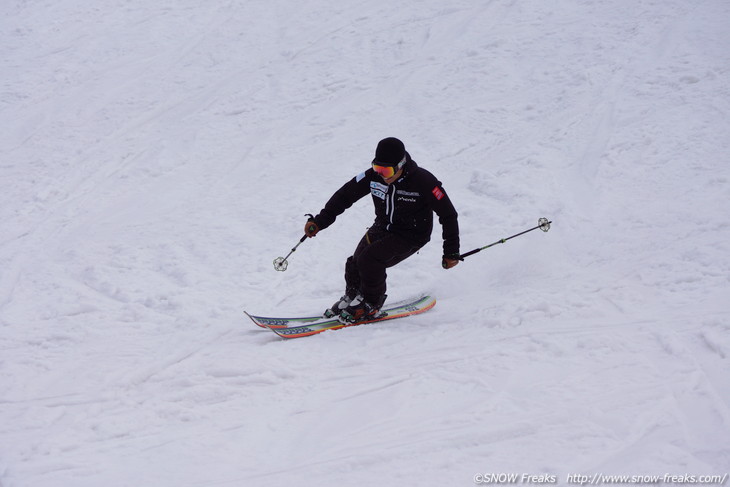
(449,261)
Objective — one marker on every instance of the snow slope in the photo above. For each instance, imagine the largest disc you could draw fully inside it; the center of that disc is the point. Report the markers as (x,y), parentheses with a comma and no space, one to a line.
(155,157)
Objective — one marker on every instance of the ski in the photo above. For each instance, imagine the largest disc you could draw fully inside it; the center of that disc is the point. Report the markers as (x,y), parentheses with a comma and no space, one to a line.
(270,322)
(307,326)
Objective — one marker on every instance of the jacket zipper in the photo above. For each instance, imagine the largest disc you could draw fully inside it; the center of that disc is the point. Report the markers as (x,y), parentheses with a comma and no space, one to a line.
(390,205)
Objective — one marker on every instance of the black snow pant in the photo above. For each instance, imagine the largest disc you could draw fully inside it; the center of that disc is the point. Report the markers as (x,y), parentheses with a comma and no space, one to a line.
(365,269)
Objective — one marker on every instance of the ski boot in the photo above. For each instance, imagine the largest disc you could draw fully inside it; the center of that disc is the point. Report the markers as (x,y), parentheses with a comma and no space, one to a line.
(360,310)
(340,304)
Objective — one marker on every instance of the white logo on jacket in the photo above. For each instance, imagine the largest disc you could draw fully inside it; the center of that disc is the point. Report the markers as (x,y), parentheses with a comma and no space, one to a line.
(378,189)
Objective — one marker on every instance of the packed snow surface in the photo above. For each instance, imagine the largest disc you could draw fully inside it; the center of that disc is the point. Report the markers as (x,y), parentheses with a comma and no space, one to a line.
(156,156)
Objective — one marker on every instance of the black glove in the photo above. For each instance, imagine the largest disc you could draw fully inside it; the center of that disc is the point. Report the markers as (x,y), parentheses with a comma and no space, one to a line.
(449,261)
(311,228)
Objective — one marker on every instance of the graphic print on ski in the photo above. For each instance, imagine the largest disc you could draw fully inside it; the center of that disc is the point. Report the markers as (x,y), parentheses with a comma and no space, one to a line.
(270,322)
(318,324)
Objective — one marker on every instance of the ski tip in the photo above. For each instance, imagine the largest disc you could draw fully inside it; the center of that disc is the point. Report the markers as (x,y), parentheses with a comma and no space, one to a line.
(266,323)
(252,319)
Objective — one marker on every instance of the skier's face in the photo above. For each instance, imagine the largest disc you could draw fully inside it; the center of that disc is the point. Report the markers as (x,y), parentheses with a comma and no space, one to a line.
(393,178)
(387,172)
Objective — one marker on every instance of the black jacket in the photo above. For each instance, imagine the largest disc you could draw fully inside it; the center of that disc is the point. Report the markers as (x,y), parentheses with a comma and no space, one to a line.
(404,207)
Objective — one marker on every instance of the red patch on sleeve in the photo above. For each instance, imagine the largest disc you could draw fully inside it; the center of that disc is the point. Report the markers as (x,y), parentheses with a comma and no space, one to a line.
(438,194)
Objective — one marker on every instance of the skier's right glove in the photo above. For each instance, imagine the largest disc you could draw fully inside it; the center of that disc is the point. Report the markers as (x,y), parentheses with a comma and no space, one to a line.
(311,228)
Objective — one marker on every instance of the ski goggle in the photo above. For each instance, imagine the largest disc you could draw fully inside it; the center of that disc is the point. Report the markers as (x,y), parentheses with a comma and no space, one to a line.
(388,172)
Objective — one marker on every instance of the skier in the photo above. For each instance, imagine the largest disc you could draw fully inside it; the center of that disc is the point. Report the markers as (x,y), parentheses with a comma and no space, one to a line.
(405,197)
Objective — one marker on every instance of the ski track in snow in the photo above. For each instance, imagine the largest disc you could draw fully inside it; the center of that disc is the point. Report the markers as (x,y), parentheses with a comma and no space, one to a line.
(156,157)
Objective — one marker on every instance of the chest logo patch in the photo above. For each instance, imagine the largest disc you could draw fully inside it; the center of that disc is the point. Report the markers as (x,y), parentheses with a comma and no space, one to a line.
(378,190)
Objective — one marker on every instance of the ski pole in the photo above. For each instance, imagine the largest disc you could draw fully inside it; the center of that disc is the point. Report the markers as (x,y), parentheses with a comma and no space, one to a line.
(280,263)
(543,224)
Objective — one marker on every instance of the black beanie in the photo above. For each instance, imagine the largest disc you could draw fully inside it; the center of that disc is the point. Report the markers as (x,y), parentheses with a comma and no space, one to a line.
(390,151)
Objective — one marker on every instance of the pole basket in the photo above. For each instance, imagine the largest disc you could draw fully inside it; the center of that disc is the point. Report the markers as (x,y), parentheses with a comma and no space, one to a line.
(280,264)
(543,224)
